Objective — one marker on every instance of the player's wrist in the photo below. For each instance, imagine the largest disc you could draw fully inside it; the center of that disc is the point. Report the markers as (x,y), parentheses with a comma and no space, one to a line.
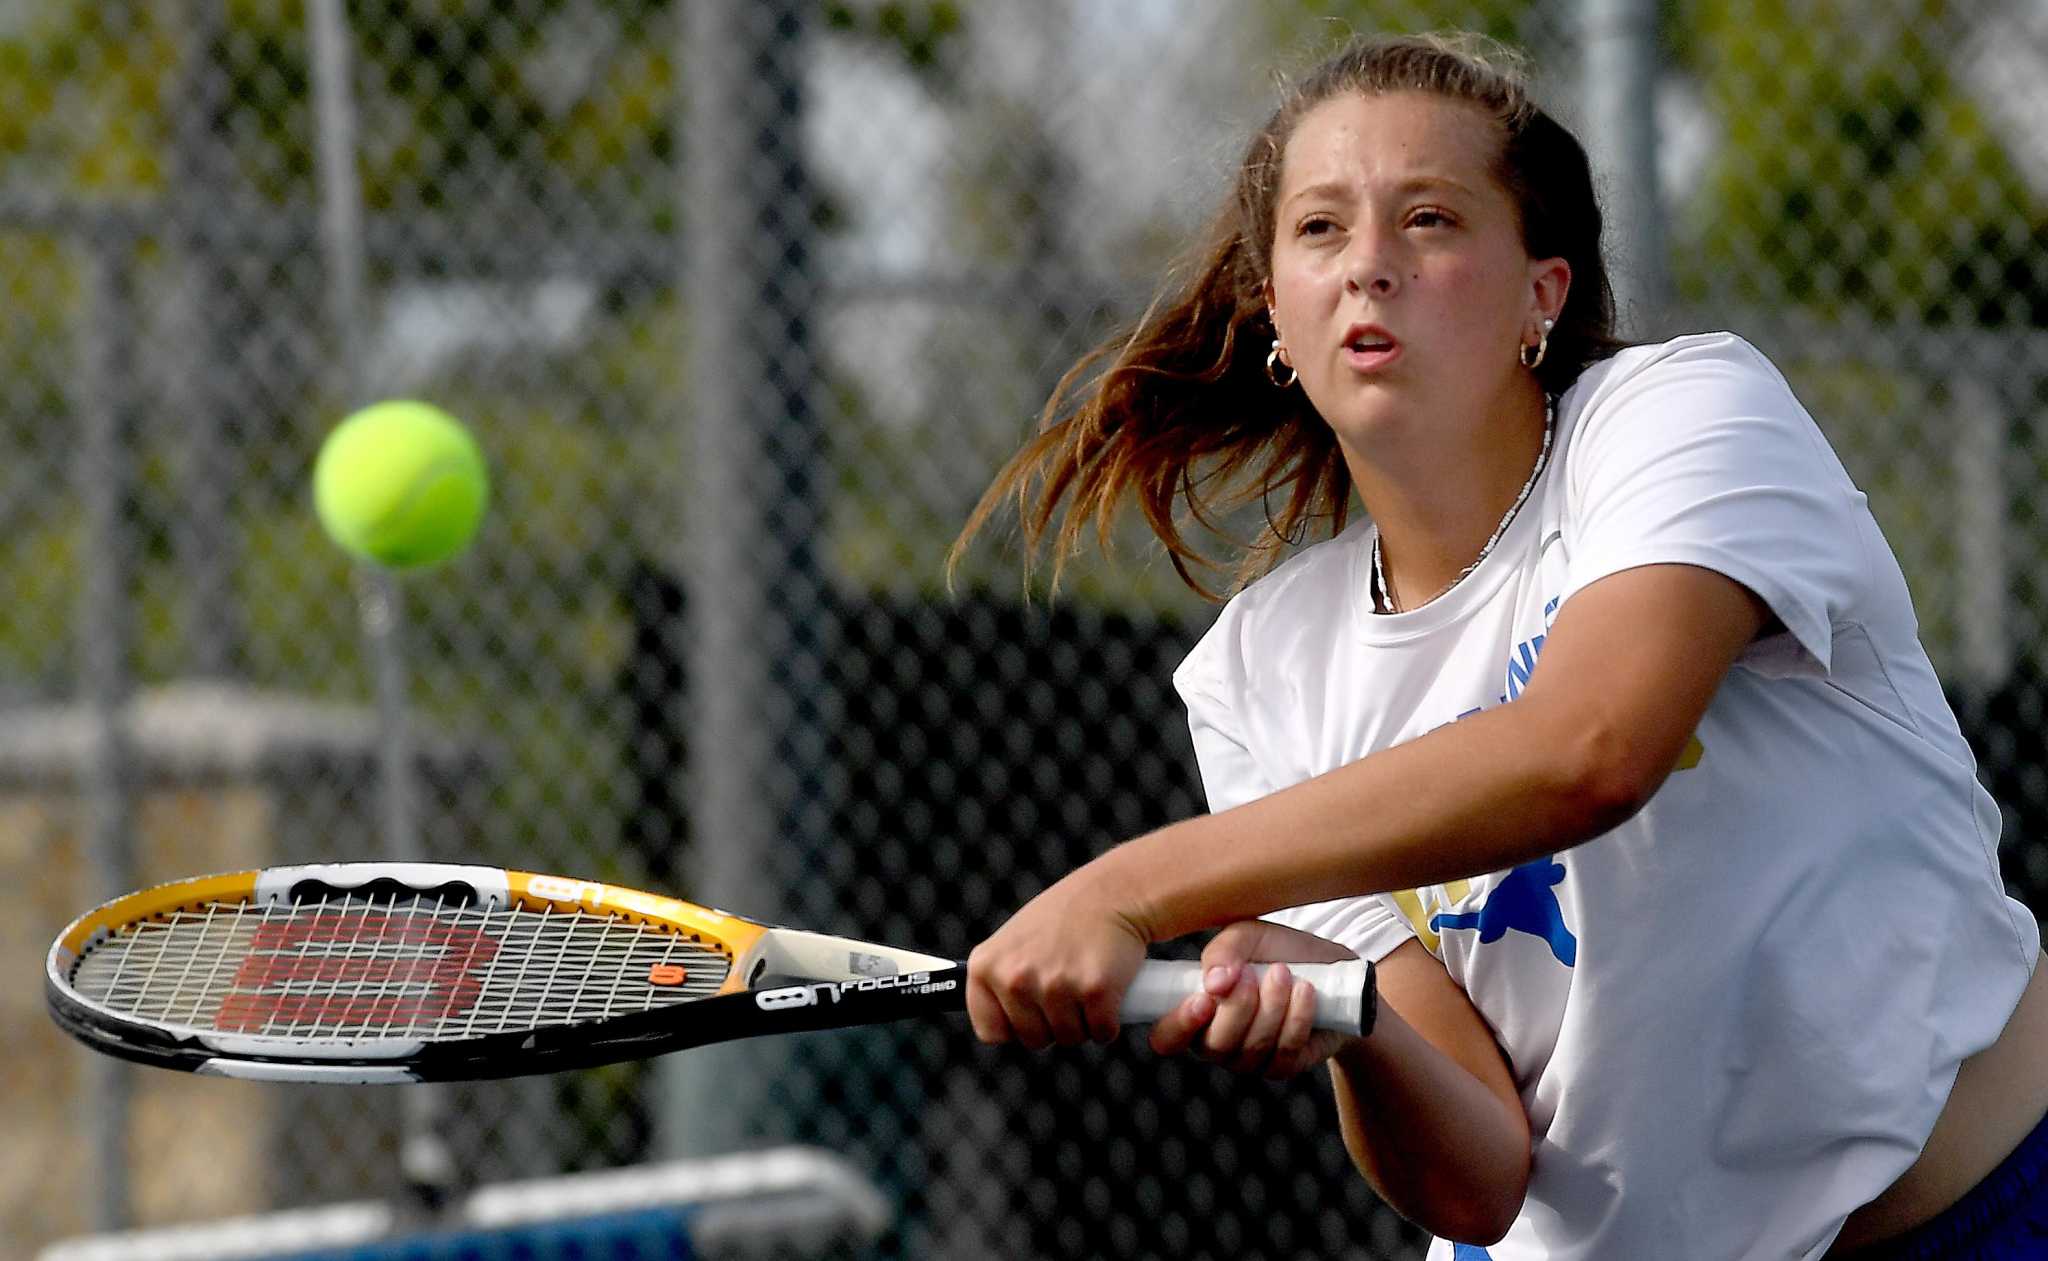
(1118,886)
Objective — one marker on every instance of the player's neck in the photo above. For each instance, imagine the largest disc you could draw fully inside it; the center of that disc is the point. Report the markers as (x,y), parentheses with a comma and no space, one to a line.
(1437,512)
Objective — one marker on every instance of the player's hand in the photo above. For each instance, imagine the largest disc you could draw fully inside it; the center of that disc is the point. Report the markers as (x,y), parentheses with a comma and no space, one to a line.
(1057,971)
(1252,1025)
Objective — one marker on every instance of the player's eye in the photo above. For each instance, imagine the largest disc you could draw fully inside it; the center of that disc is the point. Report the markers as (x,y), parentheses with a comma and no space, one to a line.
(1316,225)
(1429,217)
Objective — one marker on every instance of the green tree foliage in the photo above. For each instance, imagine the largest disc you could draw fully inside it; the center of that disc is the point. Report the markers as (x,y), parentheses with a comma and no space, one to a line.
(1855,179)
(80,89)
(1854,174)
(924,32)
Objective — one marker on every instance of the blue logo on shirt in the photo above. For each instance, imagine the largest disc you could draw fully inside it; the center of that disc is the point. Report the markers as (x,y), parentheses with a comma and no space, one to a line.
(1526,901)
(1469,1252)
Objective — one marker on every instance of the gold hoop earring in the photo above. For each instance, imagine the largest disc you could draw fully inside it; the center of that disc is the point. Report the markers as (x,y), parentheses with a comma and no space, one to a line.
(1274,361)
(1542,348)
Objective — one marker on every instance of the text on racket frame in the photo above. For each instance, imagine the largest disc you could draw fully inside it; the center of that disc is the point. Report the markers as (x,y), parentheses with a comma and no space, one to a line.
(786,997)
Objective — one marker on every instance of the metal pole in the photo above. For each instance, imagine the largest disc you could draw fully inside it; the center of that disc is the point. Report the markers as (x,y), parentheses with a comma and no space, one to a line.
(756,607)
(195,392)
(1046,39)
(424,1159)
(106,632)
(341,200)
(1619,42)
(341,243)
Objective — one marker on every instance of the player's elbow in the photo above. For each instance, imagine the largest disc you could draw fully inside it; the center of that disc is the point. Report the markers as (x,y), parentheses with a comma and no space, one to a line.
(1491,1201)
(1603,776)
(1480,1222)
(1472,1197)
(1472,1205)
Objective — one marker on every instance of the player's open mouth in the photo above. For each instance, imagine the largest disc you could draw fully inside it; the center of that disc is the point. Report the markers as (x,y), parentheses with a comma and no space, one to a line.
(1368,346)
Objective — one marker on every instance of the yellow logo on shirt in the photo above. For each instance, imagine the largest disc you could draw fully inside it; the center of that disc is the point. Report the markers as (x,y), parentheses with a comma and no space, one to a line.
(1420,905)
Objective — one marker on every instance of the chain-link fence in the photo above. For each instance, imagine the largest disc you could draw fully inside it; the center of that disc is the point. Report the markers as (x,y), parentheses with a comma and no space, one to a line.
(745,302)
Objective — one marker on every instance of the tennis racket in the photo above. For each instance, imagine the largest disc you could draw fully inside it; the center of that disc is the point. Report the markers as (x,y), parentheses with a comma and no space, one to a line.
(370,973)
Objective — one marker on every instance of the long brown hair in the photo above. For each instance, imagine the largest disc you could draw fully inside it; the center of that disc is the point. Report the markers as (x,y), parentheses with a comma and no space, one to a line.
(1178,412)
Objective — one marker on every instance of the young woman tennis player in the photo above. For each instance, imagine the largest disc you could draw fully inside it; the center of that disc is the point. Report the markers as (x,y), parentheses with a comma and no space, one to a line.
(1609,739)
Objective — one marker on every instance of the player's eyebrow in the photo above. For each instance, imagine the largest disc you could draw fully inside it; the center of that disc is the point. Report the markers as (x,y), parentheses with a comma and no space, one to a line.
(1432,183)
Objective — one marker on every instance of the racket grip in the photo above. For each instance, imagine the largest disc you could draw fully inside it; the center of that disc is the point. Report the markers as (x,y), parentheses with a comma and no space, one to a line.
(1346,999)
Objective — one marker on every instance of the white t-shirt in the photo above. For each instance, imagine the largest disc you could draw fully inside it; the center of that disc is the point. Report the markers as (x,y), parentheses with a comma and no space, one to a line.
(1734,1018)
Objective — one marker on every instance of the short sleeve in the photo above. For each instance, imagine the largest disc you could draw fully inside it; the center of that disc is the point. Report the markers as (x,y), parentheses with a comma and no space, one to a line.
(1209,683)
(1702,456)
(1369,926)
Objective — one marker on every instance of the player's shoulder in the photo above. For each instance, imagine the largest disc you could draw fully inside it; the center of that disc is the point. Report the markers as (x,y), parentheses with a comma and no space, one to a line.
(1694,360)
(1653,393)
(1697,370)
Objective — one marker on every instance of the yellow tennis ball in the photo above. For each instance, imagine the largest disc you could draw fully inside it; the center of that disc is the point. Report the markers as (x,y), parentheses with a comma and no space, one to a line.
(401,483)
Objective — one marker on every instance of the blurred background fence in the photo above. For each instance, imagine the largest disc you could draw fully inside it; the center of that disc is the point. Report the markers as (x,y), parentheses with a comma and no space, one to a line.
(745,302)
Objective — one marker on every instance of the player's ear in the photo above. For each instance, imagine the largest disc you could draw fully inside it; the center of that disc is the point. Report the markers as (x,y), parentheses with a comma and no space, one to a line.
(1550,282)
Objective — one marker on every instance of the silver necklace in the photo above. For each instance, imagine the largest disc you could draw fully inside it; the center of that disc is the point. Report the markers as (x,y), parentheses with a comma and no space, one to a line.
(1384,603)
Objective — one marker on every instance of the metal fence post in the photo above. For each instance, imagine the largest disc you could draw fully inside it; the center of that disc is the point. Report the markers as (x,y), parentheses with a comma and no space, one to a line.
(1619,68)
(755,500)
(106,476)
(424,1160)
(197,390)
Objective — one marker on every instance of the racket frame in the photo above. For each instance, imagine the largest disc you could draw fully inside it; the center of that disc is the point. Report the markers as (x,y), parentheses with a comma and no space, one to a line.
(780,980)
(834,981)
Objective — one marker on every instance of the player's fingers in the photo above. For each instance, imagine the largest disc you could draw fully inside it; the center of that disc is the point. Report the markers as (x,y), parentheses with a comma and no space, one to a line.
(1027,1020)
(1015,991)
(1084,1010)
(1264,1031)
(985,1013)
(1234,1015)
(1174,1032)
(1100,1011)
(1065,1021)
(1220,971)
(1290,1051)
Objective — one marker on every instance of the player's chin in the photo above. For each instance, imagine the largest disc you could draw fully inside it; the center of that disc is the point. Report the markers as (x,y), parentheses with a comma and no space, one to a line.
(1361,409)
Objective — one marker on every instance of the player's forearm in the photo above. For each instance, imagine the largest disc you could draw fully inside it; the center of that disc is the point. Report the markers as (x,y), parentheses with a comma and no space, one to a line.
(1437,1145)
(1481,795)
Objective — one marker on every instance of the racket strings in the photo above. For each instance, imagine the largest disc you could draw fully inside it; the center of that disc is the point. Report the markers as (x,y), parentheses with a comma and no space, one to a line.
(413,967)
